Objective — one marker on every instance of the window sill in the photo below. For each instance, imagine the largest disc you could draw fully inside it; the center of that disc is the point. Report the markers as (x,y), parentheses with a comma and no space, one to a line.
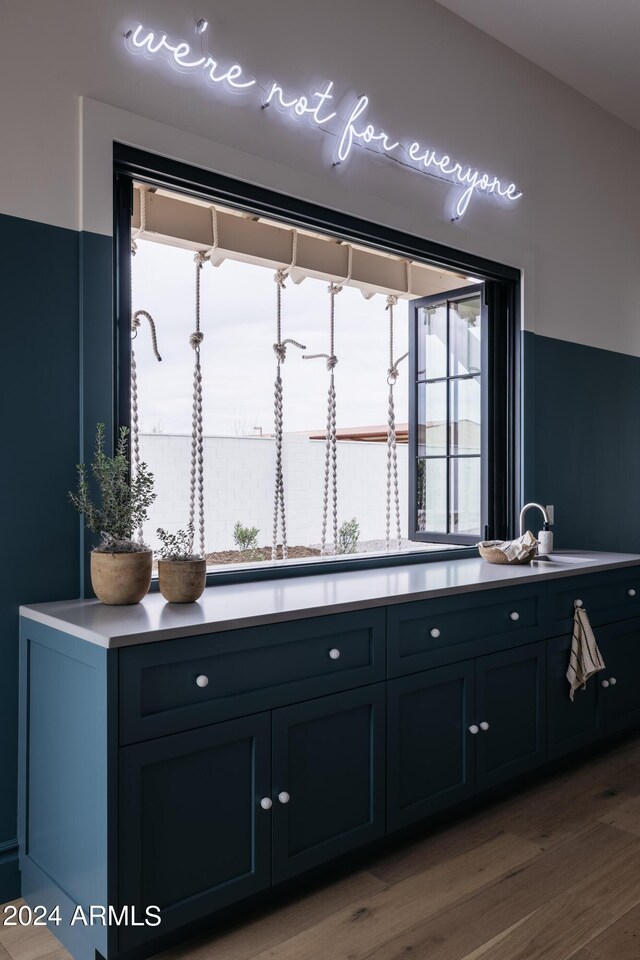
(265,570)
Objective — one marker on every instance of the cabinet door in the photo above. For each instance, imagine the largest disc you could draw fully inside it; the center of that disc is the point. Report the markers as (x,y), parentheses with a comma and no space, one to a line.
(510,699)
(620,647)
(430,749)
(193,836)
(328,778)
(571,724)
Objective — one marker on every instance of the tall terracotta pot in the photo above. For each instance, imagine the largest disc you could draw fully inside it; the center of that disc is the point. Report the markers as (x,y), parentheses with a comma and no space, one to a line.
(121,578)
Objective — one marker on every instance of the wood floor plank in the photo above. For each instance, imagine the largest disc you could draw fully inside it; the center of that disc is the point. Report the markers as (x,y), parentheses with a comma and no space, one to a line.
(554,932)
(435,848)
(267,930)
(620,941)
(569,922)
(456,932)
(31,943)
(563,806)
(349,933)
(626,816)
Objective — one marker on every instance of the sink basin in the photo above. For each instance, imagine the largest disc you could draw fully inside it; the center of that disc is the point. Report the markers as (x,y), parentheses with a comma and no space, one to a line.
(562,559)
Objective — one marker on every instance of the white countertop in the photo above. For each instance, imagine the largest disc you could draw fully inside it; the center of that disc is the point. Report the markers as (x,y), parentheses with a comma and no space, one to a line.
(273,601)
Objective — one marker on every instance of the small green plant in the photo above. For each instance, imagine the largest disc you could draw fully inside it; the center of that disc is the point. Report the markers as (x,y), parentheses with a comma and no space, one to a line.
(246,540)
(123,501)
(348,536)
(177,546)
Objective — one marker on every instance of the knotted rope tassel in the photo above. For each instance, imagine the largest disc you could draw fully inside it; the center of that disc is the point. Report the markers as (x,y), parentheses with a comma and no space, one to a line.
(331,444)
(280,350)
(392,453)
(197,441)
(136,319)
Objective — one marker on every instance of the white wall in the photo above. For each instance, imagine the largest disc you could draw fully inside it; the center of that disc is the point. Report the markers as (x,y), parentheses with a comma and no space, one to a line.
(239,486)
(575,231)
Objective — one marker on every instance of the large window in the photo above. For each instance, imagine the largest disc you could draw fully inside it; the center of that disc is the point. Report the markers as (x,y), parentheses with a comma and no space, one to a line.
(357,401)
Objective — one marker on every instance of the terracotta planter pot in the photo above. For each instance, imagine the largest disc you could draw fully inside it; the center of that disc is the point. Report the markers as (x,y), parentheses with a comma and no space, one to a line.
(182,581)
(121,578)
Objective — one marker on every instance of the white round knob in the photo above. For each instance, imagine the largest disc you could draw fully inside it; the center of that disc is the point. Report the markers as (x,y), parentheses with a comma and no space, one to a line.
(515,615)
(435,633)
(474,728)
(612,681)
(266,803)
(631,592)
(284,797)
(202,680)
(605,683)
(334,654)
(484,725)
(578,603)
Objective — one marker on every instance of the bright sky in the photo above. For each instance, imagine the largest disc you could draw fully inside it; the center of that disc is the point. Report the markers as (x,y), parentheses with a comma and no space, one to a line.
(238,321)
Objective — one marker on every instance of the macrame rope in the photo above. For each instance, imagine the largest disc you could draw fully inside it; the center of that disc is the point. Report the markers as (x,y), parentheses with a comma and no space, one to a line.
(196,485)
(142,196)
(214,229)
(392,453)
(136,319)
(331,444)
(280,350)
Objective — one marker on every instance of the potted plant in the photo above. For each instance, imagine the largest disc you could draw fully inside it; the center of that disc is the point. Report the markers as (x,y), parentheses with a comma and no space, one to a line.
(182,574)
(121,563)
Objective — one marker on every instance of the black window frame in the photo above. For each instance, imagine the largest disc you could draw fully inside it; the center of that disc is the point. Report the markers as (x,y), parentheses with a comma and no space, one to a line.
(502,286)
(455,295)
(499,412)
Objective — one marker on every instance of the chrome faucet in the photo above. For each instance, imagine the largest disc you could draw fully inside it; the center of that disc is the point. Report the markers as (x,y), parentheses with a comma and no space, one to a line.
(524,510)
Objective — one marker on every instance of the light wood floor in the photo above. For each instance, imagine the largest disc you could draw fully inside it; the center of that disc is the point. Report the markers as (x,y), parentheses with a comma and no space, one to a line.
(552,873)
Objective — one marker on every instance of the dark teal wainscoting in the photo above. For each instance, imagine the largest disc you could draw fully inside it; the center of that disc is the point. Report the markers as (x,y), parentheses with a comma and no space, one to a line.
(582,442)
(40,440)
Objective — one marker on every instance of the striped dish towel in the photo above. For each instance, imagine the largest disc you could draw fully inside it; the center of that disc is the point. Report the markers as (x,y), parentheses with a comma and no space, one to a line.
(585,659)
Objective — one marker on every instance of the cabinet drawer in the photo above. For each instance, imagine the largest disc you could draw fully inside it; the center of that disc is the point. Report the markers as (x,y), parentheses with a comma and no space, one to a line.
(180,684)
(606,597)
(432,633)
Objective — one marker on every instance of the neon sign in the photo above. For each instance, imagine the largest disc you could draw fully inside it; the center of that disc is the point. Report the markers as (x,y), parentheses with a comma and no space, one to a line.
(352,130)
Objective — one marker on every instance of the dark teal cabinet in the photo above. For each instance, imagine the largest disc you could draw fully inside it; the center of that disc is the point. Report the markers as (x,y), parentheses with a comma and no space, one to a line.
(610,703)
(619,683)
(457,730)
(511,713)
(193,835)
(431,758)
(209,768)
(210,816)
(571,724)
(328,778)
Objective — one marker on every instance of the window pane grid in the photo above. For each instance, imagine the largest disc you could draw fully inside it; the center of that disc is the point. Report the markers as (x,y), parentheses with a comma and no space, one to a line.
(444,471)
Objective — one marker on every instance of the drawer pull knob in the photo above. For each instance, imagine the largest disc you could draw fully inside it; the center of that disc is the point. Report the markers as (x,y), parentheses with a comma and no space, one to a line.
(435,633)
(266,803)
(202,680)
(474,728)
(578,603)
(515,615)
(334,653)
(605,684)
(484,725)
(284,797)
(631,592)
(612,681)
